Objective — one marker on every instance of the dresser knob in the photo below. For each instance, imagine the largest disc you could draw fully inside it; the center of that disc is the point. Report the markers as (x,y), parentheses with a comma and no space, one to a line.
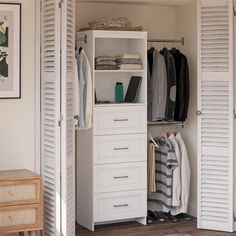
(10,218)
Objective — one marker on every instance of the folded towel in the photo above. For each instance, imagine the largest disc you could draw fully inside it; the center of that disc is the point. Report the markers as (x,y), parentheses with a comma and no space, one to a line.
(106,62)
(104,58)
(106,67)
(130,67)
(128,56)
(128,61)
(119,22)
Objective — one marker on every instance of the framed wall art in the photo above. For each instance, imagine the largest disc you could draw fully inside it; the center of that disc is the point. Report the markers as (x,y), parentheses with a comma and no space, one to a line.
(10,50)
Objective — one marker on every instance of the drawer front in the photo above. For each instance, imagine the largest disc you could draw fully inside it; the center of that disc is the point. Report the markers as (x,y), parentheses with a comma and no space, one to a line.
(120,148)
(118,206)
(21,217)
(120,177)
(120,120)
(20,191)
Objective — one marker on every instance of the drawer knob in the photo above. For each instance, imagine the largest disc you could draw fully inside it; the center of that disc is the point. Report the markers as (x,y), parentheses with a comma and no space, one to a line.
(120,120)
(120,149)
(11,193)
(122,205)
(10,218)
(121,177)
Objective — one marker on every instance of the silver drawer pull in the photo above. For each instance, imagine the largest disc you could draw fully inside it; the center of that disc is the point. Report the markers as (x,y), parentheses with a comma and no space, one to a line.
(120,149)
(123,205)
(120,120)
(121,177)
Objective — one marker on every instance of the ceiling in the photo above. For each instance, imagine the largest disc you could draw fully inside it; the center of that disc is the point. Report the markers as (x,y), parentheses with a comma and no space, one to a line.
(141,2)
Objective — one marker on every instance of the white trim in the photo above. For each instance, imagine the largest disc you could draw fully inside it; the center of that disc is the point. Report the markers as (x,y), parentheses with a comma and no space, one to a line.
(37,86)
(199,109)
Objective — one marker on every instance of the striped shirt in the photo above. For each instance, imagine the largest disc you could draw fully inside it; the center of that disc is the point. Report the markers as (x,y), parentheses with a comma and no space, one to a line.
(165,163)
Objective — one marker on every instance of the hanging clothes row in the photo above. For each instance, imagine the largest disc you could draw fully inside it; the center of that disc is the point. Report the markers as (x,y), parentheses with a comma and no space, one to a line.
(168,174)
(83,90)
(168,85)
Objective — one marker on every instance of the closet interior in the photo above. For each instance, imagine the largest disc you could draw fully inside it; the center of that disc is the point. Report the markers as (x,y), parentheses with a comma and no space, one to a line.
(169,24)
(112,161)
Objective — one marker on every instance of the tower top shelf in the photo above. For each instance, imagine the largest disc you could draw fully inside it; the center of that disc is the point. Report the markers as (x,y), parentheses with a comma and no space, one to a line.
(114,34)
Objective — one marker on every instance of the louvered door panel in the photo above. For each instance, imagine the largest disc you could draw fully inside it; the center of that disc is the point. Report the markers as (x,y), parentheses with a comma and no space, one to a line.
(50,115)
(215,65)
(68,130)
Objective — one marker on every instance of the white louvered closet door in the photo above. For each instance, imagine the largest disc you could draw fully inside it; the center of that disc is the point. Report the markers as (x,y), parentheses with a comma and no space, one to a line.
(50,116)
(215,120)
(68,128)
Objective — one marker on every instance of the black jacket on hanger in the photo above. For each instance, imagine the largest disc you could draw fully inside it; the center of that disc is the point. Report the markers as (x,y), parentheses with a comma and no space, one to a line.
(182,85)
(171,84)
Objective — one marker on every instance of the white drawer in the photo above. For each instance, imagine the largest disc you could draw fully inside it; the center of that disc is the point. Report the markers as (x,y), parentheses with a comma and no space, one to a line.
(120,177)
(20,191)
(120,120)
(120,148)
(119,206)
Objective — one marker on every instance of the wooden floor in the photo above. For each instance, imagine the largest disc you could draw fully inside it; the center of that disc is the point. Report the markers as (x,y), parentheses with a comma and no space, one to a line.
(133,229)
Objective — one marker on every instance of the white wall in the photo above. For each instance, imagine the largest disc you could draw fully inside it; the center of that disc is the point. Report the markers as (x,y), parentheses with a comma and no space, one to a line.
(158,21)
(17,116)
(186,25)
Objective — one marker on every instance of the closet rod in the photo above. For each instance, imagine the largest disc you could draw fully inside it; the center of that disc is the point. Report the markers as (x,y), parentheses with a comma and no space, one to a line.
(163,123)
(167,40)
(84,39)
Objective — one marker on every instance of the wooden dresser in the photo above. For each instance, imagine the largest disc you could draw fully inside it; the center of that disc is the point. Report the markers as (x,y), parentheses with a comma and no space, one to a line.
(20,202)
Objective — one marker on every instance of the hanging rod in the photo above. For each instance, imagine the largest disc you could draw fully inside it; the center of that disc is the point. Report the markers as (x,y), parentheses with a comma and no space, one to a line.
(167,40)
(165,123)
(84,39)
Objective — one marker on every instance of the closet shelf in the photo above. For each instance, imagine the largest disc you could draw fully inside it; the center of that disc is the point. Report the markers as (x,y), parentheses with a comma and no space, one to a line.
(181,41)
(165,123)
(119,104)
(119,71)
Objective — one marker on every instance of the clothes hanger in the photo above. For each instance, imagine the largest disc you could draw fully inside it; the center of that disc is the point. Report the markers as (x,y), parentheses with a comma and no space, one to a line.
(80,49)
(152,139)
(163,135)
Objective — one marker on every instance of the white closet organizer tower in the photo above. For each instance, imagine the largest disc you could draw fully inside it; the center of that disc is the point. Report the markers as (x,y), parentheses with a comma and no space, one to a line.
(112,156)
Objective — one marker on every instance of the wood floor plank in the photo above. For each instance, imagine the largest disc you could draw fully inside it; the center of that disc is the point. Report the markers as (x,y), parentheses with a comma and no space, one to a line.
(156,229)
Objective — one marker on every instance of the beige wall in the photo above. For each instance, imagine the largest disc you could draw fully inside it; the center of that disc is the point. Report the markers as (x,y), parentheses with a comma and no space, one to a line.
(157,21)
(186,25)
(17,116)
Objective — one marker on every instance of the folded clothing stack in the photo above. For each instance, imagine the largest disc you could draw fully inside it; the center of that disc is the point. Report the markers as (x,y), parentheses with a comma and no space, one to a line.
(105,63)
(120,23)
(112,22)
(129,62)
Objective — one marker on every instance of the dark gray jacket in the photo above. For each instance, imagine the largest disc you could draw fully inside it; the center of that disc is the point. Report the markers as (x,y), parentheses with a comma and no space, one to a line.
(171,85)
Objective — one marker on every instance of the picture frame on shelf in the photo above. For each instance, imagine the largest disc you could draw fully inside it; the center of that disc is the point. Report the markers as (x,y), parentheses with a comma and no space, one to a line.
(10,50)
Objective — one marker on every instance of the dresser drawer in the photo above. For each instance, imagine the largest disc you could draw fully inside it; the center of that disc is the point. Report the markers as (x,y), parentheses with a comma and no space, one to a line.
(120,177)
(27,191)
(120,120)
(120,148)
(20,217)
(121,205)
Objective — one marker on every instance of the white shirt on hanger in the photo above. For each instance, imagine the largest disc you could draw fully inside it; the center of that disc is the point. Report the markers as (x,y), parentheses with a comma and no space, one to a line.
(185,177)
(176,184)
(83,91)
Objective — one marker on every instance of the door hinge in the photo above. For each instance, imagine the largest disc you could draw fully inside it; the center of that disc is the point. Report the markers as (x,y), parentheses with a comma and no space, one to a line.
(234,115)
(60,3)
(234,217)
